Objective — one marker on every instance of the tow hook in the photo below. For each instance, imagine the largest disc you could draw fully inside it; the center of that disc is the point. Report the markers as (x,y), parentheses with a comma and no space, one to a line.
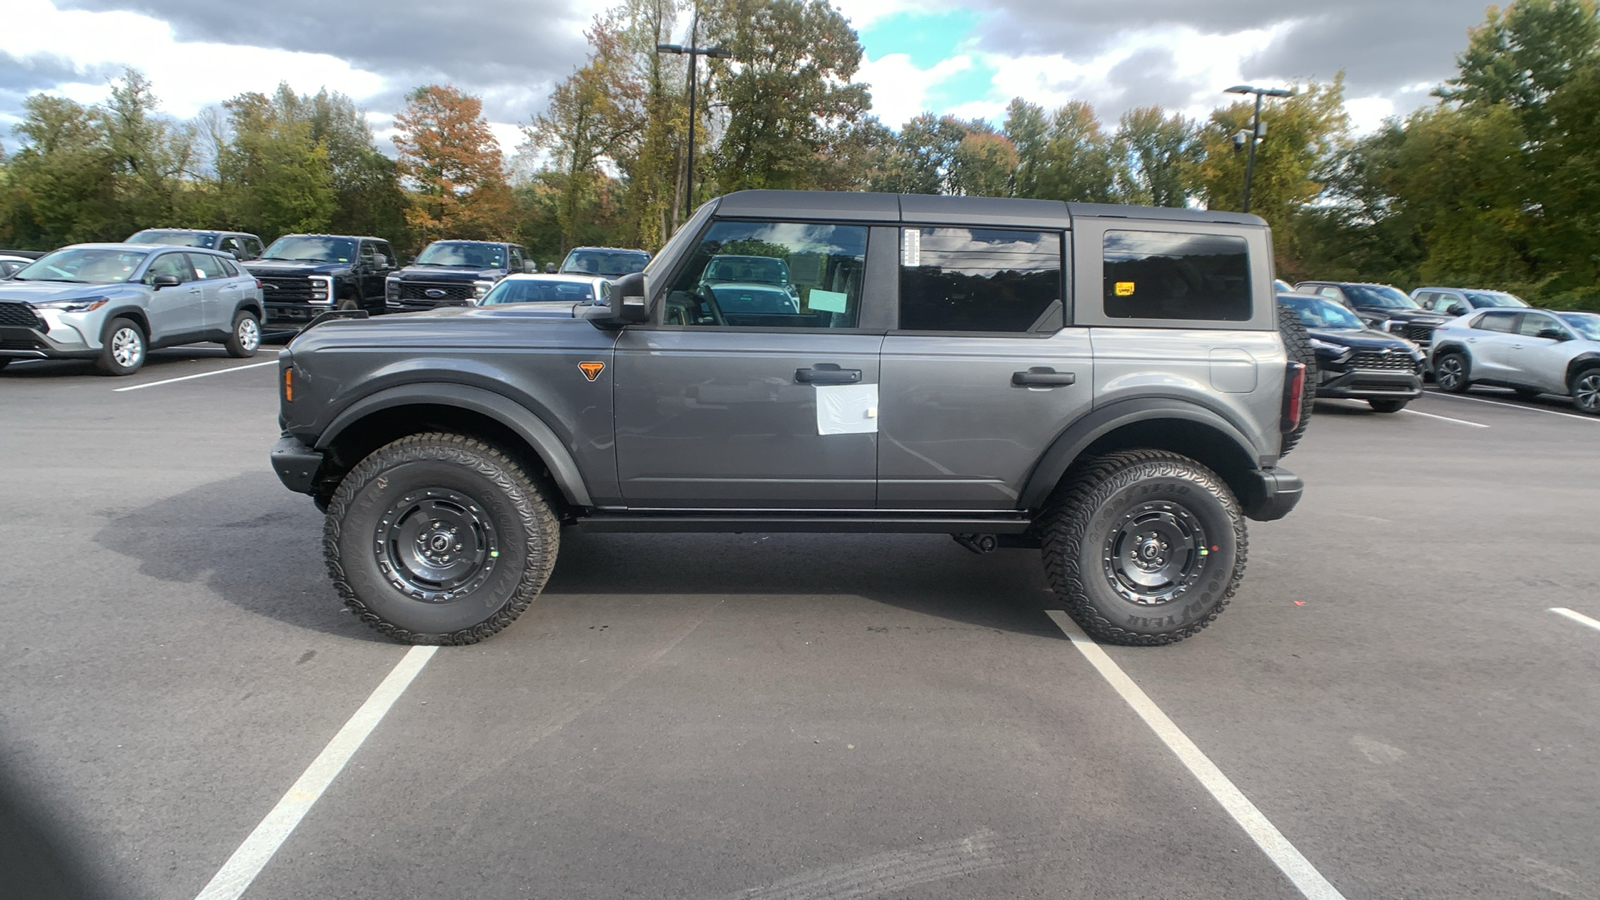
(977,543)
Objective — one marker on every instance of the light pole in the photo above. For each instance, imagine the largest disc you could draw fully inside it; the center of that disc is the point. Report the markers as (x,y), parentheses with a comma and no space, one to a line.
(1255,130)
(694,52)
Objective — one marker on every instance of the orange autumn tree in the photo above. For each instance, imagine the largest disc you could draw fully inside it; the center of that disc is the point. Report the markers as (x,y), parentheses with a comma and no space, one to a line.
(455,167)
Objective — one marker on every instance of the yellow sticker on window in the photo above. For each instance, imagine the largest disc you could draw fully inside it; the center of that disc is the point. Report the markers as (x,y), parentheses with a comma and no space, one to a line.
(1124,289)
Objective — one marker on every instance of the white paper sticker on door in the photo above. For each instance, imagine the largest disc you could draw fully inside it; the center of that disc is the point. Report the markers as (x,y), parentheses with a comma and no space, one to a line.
(847,409)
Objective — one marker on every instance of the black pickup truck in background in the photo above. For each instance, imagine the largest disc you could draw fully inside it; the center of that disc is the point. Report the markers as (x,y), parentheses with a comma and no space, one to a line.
(453,273)
(305,275)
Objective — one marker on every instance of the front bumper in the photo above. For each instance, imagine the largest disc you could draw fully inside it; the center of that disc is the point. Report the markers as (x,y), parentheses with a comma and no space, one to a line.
(58,343)
(1271,494)
(292,316)
(1370,384)
(296,464)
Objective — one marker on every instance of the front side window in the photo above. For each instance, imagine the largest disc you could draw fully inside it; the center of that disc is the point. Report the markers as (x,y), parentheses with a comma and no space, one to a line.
(1162,275)
(771,275)
(978,279)
(170,264)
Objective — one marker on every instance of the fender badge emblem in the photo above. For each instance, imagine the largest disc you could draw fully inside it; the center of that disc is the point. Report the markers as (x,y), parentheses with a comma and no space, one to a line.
(591,370)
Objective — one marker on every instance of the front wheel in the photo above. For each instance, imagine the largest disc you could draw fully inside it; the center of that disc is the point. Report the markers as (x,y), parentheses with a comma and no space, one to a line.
(123,352)
(439,539)
(1143,547)
(1450,373)
(1387,406)
(246,336)
(1586,391)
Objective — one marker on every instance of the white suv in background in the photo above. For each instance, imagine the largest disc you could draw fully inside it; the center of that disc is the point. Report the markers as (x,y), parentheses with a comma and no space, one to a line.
(1532,351)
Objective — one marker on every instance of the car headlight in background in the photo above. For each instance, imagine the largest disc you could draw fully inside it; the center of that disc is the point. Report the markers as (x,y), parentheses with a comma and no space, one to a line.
(391,288)
(480,287)
(321,289)
(86,304)
(1339,351)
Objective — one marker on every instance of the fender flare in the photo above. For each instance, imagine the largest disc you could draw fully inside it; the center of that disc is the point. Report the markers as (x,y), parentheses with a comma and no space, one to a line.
(1071,443)
(1580,362)
(526,425)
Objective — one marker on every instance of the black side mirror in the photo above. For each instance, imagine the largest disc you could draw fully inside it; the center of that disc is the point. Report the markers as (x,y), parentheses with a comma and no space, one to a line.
(1456,309)
(629,304)
(165,281)
(1552,334)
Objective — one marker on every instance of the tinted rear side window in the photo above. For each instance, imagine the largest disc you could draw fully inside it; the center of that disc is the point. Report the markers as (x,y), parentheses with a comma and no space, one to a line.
(977,279)
(1162,275)
(1500,322)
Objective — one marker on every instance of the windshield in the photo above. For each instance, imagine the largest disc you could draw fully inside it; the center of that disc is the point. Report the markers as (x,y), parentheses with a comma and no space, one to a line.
(1494,298)
(606,263)
(1315,312)
(305,248)
(754,298)
(84,266)
(1586,324)
(176,238)
(1380,295)
(541,291)
(470,254)
(747,269)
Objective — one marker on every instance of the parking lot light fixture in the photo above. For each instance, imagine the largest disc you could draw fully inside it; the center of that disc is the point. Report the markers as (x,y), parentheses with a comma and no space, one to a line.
(1255,133)
(694,53)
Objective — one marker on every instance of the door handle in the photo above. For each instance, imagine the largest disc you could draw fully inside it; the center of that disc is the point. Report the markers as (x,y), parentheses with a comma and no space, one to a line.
(827,373)
(1043,376)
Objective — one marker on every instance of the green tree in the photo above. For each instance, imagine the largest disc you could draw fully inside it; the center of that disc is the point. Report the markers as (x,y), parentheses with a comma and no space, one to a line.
(60,184)
(274,178)
(1078,162)
(1523,54)
(1159,153)
(1028,128)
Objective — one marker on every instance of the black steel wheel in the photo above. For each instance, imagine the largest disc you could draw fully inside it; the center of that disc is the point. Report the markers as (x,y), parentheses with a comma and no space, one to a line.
(1586,391)
(439,539)
(1143,547)
(1451,372)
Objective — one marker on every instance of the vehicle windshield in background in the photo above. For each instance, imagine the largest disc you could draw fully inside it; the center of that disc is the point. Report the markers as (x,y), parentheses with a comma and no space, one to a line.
(83,266)
(605,263)
(463,253)
(1586,324)
(1494,298)
(175,238)
(539,292)
(1379,295)
(311,249)
(1315,312)
(754,299)
(747,269)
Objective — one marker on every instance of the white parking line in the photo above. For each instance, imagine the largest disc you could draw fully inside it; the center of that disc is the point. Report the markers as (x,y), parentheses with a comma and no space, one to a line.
(235,876)
(1271,841)
(1551,412)
(1445,418)
(1578,617)
(270,362)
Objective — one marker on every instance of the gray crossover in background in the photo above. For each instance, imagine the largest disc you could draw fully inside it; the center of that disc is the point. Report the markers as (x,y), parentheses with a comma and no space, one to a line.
(1112,385)
(1532,351)
(113,302)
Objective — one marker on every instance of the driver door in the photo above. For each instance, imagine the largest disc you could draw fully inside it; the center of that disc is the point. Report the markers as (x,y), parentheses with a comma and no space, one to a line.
(1536,357)
(178,309)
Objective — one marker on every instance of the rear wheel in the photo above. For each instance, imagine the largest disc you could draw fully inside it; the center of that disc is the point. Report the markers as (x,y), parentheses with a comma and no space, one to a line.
(1451,372)
(246,336)
(1586,391)
(1387,406)
(1298,344)
(124,348)
(439,539)
(1143,547)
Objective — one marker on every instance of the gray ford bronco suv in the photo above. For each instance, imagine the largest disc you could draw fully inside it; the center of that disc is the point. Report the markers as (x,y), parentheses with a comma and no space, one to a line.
(1112,385)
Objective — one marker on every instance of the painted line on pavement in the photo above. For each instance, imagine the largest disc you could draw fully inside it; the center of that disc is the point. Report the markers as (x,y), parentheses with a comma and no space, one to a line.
(1445,418)
(1578,617)
(1283,854)
(1502,403)
(235,876)
(270,362)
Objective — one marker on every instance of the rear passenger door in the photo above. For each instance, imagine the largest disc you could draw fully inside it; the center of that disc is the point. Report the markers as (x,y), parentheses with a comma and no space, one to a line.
(219,293)
(981,373)
(1489,346)
(722,410)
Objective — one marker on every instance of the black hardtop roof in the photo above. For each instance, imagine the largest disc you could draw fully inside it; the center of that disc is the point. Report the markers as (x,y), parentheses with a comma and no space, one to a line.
(937,209)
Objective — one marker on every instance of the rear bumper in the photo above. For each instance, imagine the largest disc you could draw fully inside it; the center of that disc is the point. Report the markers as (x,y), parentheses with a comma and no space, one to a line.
(1271,494)
(296,464)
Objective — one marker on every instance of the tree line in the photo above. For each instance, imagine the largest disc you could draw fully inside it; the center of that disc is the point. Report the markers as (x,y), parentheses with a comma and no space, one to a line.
(1490,186)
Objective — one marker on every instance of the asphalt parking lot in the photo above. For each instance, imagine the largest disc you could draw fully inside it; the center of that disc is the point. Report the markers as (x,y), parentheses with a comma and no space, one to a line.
(792,716)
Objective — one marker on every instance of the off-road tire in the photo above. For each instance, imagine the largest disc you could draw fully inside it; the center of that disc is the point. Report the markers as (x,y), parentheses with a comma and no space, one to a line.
(1452,372)
(494,495)
(1387,406)
(1093,506)
(1297,341)
(121,333)
(1585,389)
(245,338)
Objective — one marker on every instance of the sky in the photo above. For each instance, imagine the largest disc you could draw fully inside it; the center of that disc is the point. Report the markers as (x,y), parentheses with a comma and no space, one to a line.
(965,59)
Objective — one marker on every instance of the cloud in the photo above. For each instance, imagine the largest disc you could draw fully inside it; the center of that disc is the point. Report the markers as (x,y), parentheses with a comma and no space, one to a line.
(900,90)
